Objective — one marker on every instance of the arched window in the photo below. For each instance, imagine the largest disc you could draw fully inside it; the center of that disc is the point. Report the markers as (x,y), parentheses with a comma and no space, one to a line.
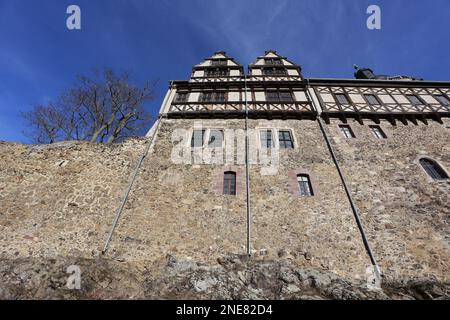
(304,184)
(433,169)
(229,183)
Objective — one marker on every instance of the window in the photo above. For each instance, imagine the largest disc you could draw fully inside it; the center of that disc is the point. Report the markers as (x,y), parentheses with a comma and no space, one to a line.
(274,71)
(414,99)
(346,131)
(304,185)
(285,139)
(229,183)
(218,96)
(275,61)
(377,132)
(433,169)
(372,99)
(198,138)
(443,100)
(215,138)
(266,139)
(279,96)
(217,72)
(181,97)
(342,98)
(219,62)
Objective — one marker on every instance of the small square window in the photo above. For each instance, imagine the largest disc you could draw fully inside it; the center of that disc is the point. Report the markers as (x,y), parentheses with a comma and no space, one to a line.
(346,131)
(285,139)
(377,132)
(198,138)
(342,98)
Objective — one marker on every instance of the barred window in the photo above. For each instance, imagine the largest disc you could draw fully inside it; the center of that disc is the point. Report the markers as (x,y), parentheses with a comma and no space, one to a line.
(266,139)
(198,138)
(342,98)
(377,132)
(433,169)
(304,184)
(372,99)
(346,131)
(215,138)
(285,139)
(229,183)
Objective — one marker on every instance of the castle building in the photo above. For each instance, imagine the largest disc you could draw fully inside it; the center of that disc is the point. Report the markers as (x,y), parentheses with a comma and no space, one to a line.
(341,174)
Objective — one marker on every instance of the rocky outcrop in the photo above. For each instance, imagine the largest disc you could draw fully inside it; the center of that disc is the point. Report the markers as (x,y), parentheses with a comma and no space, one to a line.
(233,277)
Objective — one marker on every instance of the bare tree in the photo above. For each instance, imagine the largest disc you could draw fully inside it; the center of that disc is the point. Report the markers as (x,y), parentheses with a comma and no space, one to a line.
(104,109)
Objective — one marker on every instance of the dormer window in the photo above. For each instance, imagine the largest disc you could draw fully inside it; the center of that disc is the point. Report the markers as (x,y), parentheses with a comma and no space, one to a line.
(274,71)
(219,62)
(213,96)
(217,72)
(274,61)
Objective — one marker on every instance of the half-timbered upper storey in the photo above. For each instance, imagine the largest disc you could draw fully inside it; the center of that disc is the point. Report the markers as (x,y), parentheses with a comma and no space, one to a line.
(218,87)
(274,87)
(382,99)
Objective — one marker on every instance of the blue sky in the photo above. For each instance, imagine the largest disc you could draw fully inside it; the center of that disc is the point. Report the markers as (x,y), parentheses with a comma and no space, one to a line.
(161,40)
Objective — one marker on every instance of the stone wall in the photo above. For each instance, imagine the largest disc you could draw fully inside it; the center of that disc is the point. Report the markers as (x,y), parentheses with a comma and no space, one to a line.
(175,209)
(60,200)
(405,213)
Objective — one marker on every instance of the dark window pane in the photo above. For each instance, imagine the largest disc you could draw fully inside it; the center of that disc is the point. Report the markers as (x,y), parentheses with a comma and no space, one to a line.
(413,99)
(342,98)
(433,169)
(219,62)
(181,97)
(372,99)
(377,132)
(443,100)
(220,96)
(285,139)
(285,96)
(346,131)
(272,96)
(229,183)
(304,184)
